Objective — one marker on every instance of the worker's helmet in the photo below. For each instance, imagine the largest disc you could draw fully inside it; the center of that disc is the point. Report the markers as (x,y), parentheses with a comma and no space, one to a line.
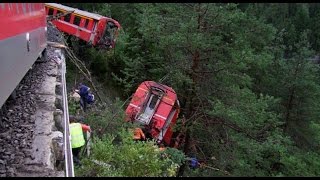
(72,118)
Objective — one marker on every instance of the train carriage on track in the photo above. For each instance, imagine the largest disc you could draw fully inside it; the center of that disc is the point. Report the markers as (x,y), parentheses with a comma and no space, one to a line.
(155,106)
(22,40)
(98,30)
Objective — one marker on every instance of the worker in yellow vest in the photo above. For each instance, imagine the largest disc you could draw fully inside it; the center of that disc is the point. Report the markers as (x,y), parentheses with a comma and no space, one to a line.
(77,138)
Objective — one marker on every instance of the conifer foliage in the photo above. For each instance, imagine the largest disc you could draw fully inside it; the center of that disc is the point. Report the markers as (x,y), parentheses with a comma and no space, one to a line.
(247,77)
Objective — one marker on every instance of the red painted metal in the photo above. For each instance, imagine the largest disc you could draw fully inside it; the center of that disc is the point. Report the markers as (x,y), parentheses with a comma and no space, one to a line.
(22,40)
(95,30)
(17,18)
(165,114)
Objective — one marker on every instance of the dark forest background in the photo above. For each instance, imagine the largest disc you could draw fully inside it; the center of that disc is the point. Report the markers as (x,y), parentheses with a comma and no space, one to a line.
(247,77)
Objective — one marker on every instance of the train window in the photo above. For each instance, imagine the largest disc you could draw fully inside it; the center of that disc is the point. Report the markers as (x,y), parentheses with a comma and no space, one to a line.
(59,13)
(86,24)
(29,7)
(94,26)
(24,8)
(153,101)
(17,8)
(110,33)
(77,20)
(67,17)
(50,12)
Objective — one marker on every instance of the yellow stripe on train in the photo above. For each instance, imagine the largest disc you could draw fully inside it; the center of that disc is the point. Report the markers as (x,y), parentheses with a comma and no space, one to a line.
(73,13)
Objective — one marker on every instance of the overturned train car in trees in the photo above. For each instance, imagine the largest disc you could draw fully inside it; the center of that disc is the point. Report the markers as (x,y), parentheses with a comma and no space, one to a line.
(100,31)
(155,106)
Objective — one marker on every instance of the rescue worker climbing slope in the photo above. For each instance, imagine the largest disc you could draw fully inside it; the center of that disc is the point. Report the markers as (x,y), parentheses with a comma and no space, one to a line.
(85,96)
(77,138)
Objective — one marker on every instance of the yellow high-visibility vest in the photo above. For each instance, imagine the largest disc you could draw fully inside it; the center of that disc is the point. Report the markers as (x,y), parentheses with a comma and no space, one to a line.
(77,139)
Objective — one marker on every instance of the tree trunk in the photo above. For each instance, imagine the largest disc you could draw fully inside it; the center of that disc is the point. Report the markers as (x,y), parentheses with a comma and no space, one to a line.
(186,151)
(288,110)
(191,94)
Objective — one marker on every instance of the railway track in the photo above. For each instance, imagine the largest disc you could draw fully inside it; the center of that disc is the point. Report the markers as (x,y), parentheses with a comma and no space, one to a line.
(67,139)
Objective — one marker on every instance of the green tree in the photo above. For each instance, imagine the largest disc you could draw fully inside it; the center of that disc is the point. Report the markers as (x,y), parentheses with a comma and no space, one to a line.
(129,158)
(241,74)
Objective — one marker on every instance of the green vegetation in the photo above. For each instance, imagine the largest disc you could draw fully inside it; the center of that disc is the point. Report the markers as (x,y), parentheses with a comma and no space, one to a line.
(128,158)
(244,78)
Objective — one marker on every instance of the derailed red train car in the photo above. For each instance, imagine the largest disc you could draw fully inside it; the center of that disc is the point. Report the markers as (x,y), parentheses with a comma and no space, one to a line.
(98,30)
(155,106)
(22,40)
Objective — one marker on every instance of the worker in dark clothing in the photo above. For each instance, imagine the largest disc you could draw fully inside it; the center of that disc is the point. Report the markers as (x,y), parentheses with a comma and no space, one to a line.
(83,91)
(77,138)
(194,163)
(85,96)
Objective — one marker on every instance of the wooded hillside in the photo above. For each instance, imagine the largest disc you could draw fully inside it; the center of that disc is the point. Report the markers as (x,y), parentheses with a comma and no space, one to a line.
(247,77)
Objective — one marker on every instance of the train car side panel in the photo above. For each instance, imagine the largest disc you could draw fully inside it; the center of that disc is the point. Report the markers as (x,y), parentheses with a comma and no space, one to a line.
(155,106)
(14,22)
(68,28)
(22,40)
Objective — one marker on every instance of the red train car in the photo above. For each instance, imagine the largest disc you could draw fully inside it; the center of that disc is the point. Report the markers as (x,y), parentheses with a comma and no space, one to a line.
(156,106)
(22,40)
(93,28)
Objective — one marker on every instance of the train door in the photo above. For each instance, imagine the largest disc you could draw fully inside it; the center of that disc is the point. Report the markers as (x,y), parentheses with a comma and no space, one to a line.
(148,110)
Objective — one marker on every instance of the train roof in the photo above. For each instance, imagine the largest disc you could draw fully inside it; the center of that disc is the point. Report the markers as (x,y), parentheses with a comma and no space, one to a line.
(77,11)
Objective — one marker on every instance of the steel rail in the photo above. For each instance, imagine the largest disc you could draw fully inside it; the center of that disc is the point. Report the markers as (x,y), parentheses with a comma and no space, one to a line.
(69,168)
